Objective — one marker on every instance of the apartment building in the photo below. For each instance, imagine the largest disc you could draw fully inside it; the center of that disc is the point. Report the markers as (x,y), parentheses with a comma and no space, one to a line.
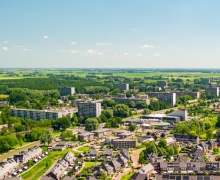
(89,108)
(85,137)
(122,87)
(212,90)
(124,143)
(206,80)
(66,91)
(40,114)
(168,98)
(186,177)
(162,84)
(187,138)
(195,95)
(137,98)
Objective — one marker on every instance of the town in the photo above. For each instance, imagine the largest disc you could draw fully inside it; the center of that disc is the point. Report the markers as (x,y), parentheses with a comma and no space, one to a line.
(152,128)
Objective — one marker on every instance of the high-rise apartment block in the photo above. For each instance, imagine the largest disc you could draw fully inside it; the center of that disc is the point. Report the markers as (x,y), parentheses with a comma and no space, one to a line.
(122,87)
(89,108)
(168,98)
(66,91)
(162,84)
(206,80)
(212,90)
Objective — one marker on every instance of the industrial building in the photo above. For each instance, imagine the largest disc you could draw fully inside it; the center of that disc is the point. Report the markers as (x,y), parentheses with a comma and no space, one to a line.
(122,87)
(89,108)
(66,91)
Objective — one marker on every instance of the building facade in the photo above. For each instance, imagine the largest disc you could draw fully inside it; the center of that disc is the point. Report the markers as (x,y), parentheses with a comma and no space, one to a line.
(89,108)
(124,143)
(122,87)
(168,98)
(212,90)
(66,91)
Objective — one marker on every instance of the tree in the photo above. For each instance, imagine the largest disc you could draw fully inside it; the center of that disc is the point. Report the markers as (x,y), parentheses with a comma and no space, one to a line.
(146,111)
(103,175)
(121,110)
(74,119)
(142,158)
(132,104)
(131,127)
(218,121)
(217,134)
(162,143)
(62,123)
(46,137)
(209,134)
(108,113)
(91,124)
(16,96)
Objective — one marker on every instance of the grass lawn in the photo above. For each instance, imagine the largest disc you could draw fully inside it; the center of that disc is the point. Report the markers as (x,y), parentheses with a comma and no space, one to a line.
(84,148)
(127,176)
(37,171)
(18,145)
(90,164)
(3,95)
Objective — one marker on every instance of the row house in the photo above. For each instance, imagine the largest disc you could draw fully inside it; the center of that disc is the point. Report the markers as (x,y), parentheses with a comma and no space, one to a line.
(85,136)
(8,167)
(25,156)
(103,132)
(186,138)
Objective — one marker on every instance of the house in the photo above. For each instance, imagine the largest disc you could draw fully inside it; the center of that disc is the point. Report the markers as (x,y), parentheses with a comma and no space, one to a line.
(60,146)
(106,153)
(122,160)
(125,153)
(125,135)
(106,167)
(137,176)
(47,178)
(62,167)
(91,154)
(155,160)
(91,178)
(13,178)
(147,169)
(186,177)
(8,167)
(68,178)
(115,164)
(170,141)
(186,138)
(25,156)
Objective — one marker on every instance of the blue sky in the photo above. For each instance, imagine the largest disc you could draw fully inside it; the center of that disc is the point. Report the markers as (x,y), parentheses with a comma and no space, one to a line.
(110,34)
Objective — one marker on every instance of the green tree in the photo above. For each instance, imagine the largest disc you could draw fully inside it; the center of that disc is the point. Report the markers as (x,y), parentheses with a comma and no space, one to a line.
(103,175)
(62,123)
(142,159)
(162,143)
(108,113)
(46,137)
(146,111)
(209,134)
(91,124)
(121,110)
(217,134)
(131,127)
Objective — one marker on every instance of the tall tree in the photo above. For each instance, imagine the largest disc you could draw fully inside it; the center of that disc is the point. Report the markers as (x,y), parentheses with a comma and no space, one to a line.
(91,124)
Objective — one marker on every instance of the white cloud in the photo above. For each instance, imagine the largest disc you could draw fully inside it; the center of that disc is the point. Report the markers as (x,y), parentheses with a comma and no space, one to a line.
(73,43)
(126,54)
(92,52)
(45,37)
(103,44)
(5,48)
(147,46)
(25,49)
(156,54)
(6,42)
(138,54)
(73,51)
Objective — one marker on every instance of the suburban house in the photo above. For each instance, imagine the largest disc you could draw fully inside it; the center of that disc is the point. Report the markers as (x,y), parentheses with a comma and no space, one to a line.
(124,143)
(85,136)
(25,156)
(186,177)
(122,160)
(137,176)
(91,154)
(8,167)
(147,169)
(187,138)
(170,141)
(115,164)
(62,167)
(106,167)
(106,153)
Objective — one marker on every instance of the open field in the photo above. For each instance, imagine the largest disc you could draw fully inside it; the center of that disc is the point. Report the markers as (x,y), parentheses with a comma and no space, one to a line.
(84,148)
(3,95)
(127,176)
(90,164)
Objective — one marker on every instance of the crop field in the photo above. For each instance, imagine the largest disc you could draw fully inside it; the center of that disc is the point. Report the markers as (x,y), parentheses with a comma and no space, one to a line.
(3,95)
(20,74)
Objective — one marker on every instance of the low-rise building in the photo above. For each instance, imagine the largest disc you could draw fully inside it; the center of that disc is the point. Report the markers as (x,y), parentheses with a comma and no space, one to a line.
(106,153)
(170,141)
(62,167)
(102,132)
(25,156)
(8,167)
(186,177)
(91,154)
(186,138)
(124,143)
(147,169)
(85,136)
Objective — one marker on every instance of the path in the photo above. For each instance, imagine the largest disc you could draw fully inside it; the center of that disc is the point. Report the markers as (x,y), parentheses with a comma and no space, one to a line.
(12,152)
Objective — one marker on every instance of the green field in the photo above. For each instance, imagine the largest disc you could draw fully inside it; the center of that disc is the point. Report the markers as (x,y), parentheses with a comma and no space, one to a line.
(90,164)
(39,169)
(84,148)
(4,96)
(127,176)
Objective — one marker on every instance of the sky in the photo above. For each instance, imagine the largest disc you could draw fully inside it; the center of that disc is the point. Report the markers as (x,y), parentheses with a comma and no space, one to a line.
(110,34)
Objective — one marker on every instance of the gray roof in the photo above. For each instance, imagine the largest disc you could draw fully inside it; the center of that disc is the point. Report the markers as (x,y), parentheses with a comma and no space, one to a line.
(47,178)
(92,152)
(137,176)
(107,152)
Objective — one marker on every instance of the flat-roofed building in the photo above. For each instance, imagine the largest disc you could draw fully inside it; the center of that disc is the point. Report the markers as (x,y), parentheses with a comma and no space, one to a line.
(39,114)
(66,91)
(86,136)
(102,132)
(162,84)
(212,90)
(206,80)
(124,143)
(167,98)
(89,108)
(122,87)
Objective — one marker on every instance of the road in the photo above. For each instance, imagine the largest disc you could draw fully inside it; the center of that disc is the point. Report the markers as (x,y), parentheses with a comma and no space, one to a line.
(12,152)
(134,158)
